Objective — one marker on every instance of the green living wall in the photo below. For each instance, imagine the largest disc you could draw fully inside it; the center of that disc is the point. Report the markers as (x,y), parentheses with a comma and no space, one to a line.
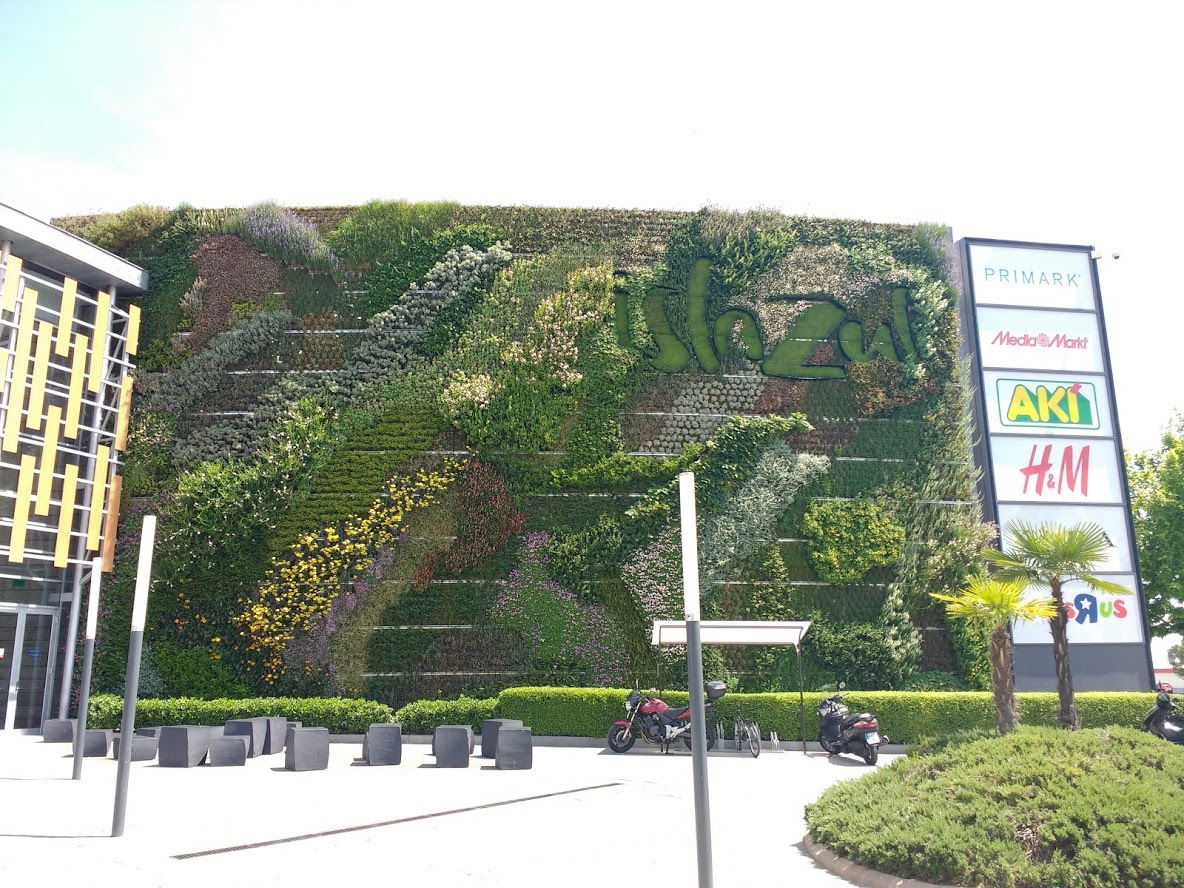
(413,450)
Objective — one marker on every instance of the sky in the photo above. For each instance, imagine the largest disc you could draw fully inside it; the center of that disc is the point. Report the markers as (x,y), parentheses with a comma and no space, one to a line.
(1055,123)
(1052,122)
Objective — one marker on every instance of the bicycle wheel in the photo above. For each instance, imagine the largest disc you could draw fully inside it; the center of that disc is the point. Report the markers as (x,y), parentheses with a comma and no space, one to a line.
(753,731)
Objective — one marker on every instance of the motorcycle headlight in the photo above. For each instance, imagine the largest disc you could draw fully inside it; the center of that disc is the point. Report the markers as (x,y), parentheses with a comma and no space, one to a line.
(628,707)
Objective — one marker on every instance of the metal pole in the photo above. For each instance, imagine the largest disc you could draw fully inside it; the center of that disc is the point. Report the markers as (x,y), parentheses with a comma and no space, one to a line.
(71,646)
(131,683)
(88,657)
(690,596)
(801,694)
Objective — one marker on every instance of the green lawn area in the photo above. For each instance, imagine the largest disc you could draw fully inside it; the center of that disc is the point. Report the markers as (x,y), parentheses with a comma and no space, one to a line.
(1040,808)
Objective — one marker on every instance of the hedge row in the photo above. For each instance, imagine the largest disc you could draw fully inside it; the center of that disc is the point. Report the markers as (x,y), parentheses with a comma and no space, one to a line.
(424,716)
(339,715)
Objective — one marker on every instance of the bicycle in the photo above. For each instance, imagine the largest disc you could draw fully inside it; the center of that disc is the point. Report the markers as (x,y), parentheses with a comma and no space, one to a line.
(747,732)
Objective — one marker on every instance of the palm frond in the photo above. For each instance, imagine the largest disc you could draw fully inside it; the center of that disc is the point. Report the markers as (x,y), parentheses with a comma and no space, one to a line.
(995,601)
(1051,550)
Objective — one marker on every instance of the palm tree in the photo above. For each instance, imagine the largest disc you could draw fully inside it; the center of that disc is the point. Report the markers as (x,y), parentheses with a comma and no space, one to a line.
(996,603)
(1049,555)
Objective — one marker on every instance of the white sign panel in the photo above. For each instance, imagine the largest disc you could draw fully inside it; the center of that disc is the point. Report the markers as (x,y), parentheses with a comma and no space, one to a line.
(1112,519)
(1031,276)
(1094,617)
(758,632)
(1039,340)
(1053,404)
(1052,470)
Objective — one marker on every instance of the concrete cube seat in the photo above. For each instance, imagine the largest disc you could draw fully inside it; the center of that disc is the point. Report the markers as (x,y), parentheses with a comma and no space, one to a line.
(148,732)
(97,743)
(183,746)
(383,744)
(277,730)
(469,728)
(308,749)
(489,732)
(253,728)
(229,751)
(515,751)
(452,744)
(143,748)
(288,729)
(58,730)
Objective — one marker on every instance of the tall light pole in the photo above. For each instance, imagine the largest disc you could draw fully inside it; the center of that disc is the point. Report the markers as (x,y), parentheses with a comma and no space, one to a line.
(88,658)
(690,604)
(131,684)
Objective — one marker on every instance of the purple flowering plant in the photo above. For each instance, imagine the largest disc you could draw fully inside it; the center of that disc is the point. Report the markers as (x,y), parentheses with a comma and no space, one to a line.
(282,234)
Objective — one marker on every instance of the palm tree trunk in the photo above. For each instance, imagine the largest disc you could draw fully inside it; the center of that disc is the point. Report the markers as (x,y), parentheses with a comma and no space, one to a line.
(1003,679)
(1060,655)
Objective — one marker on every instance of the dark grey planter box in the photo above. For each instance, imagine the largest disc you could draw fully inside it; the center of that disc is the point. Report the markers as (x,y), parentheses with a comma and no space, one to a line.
(383,744)
(143,748)
(229,751)
(489,731)
(254,728)
(277,730)
(97,743)
(308,749)
(183,746)
(453,743)
(514,750)
(58,730)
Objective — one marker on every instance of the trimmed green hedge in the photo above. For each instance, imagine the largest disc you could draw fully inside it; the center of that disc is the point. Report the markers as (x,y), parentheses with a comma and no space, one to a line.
(340,715)
(905,716)
(424,716)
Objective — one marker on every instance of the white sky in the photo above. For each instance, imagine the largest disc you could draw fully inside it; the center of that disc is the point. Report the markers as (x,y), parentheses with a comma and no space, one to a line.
(1051,122)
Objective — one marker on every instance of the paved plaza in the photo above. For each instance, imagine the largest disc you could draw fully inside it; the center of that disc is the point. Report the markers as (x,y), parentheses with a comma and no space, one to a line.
(582,816)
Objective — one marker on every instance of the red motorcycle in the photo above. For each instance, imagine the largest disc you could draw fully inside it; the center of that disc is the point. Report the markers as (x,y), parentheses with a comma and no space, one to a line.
(660,723)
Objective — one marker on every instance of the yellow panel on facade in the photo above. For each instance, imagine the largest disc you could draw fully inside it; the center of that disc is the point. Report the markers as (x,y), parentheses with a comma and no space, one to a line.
(40,371)
(49,459)
(20,516)
(66,320)
(99,342)
(133,329)
(20,371)
(125,408)
(61,554)
(77,379)
(97,497)
(112,524)
(12,277)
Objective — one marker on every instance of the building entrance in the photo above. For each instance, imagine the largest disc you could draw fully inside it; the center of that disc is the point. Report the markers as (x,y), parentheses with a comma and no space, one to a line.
(28,643)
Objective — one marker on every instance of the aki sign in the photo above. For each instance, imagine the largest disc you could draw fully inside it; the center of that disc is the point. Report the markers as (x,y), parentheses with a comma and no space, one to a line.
(1040,404)
(822,320)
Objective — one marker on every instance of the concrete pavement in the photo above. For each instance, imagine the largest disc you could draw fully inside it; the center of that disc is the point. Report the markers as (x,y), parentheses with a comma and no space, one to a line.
(580,817)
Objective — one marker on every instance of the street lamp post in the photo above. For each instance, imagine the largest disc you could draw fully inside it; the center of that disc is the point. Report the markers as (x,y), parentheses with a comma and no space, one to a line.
(88,658)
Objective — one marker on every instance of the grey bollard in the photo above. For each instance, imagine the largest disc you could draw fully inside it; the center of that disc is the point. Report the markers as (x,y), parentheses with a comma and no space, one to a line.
(452,746)
(143,748)
(229,751)
(58,730)
(97,743)
(277,730)
(183,746)
(514,750)
(254,728)
(308,749)
(489,731)
(383,744)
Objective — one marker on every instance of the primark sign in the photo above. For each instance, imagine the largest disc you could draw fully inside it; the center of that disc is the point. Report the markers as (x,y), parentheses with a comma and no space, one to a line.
(1050,445)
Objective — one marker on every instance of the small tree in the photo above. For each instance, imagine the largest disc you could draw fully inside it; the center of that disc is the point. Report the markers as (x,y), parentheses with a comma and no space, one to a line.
(1049,555)
(996,603)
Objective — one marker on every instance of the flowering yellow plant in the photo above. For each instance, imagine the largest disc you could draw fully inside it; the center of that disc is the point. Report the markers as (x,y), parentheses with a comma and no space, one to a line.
(303,582)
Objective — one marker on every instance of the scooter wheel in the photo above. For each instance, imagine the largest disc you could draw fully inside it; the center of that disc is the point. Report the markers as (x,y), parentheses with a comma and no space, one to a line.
(871,754)
(827,746)
(621,738)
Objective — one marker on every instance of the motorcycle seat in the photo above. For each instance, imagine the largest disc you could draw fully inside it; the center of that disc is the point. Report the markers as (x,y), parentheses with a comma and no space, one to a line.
(852,719)
(671,715)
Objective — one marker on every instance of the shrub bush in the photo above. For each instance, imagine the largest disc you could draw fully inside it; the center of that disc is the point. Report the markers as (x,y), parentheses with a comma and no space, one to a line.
(379,229)
(1039,807)
(424,716)
(340,715)
(123,232)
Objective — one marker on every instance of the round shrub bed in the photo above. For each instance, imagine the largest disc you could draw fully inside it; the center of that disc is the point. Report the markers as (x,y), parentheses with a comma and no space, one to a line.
(1039,808)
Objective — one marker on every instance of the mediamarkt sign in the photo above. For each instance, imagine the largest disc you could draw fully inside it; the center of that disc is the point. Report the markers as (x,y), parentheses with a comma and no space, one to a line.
(1052,452)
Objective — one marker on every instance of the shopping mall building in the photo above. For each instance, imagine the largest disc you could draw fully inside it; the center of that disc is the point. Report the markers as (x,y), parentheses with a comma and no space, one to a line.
(67,339)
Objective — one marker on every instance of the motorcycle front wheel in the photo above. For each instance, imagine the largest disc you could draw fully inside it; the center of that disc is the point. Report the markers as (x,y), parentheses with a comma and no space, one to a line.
(686,738)
(621,738)
(827,747)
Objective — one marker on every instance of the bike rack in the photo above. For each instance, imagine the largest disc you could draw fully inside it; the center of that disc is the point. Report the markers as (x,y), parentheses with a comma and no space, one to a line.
(774,742)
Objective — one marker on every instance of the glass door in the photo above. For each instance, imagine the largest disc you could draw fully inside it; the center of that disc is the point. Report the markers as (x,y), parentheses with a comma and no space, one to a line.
(28,636)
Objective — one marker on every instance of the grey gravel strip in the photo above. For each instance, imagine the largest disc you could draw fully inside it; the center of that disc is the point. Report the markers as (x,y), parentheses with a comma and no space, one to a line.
(858,874)
(350,829)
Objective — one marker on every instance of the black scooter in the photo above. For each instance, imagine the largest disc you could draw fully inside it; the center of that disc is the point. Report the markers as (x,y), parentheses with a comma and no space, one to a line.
(1166,720)
(842,732)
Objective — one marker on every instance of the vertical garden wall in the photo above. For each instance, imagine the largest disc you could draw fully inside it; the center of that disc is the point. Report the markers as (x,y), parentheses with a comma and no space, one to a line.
(411,450)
